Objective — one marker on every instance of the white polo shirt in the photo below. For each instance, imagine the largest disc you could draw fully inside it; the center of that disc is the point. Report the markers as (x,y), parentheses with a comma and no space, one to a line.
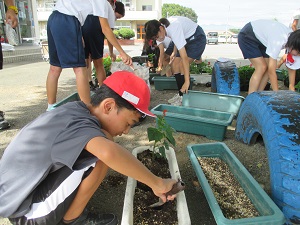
(82,8)
(180,28)
(272,34)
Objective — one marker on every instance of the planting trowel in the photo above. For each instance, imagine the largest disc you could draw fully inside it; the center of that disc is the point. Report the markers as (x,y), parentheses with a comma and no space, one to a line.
(177,187)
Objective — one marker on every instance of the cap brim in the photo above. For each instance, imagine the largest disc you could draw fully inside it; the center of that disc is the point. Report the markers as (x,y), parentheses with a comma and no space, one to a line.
(295,65)
(147,112)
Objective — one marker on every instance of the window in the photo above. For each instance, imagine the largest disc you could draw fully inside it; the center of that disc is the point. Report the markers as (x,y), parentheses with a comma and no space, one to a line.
(147,8)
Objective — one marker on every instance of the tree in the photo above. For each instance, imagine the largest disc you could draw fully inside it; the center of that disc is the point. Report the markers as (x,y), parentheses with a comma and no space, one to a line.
(178,10)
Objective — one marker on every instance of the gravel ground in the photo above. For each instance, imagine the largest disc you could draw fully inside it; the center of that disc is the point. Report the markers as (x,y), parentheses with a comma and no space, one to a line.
(23,99)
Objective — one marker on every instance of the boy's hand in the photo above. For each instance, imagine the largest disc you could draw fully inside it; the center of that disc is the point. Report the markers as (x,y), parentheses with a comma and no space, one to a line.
(185,87)
(163,188)
(11,18)
(126,59)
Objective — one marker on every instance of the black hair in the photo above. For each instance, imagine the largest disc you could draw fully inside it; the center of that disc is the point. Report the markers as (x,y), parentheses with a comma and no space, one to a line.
(152,28)
(164,21)
(120,8)
(293,41)
(106,92)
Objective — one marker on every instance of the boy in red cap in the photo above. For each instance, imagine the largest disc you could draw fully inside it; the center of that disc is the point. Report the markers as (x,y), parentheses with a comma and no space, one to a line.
(54,165)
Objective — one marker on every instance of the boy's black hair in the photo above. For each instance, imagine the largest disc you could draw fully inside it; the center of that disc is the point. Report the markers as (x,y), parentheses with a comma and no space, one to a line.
(164,21)
(293,41)
(105,92)
(152,28)
(120,8)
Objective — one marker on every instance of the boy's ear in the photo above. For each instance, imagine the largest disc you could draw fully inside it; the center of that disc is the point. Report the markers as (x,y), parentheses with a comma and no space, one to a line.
(109,105)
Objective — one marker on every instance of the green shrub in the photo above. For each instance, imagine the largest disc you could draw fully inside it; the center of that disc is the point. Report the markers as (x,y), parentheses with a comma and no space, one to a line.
(245,73)
(199,68)
(125,33)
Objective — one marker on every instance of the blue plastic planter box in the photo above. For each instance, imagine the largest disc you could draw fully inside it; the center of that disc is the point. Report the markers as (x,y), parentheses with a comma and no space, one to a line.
(269,212)
(211,124)
(213,101)
(168,83)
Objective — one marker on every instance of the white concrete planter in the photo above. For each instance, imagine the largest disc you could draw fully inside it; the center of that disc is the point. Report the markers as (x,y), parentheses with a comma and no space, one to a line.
(201,78)
(182,209)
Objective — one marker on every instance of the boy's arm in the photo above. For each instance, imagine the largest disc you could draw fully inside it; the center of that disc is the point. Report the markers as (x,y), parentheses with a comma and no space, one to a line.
(113,40)
(161,57)
(111,51)
(186,70)
(122,161)
(10,13)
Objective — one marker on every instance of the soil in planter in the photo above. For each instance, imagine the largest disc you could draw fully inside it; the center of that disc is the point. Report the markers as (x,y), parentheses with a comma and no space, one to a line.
(144,196)
(230,196)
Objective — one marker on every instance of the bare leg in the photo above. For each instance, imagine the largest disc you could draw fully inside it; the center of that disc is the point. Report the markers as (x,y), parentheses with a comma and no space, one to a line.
(292,79)
(265,78)
(260,66)
(101,75)
(52,83)
(82,84)
(86,190)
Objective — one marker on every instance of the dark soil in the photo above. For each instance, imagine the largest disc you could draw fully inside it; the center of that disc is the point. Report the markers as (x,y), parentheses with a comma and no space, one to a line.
(144,197)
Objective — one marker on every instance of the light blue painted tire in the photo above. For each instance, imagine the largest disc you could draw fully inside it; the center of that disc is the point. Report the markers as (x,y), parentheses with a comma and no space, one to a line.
(276,117)
(225,78)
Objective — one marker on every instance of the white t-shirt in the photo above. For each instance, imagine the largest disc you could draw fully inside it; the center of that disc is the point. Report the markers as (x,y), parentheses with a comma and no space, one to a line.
(166,42)
(82,8)
(180,28)
(272,34)
(111,16)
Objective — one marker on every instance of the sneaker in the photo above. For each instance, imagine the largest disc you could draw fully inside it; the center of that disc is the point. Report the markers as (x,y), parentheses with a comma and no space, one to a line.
(87,218)
(3,123)
(178,102)
(174,99)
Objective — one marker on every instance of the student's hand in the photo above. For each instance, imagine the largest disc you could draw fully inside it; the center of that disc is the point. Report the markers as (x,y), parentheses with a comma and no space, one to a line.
(165,186)
(126,59)
(185,87)
(113,57)
(158,69)
(11,18)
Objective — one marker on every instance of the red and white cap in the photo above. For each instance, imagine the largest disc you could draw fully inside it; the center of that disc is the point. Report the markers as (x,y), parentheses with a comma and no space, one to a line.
(131,88)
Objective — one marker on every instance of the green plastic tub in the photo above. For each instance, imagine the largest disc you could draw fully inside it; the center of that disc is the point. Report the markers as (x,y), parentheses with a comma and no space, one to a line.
(213,101)
(269,212)
(71,98)
(212,124)
(168,83)
(152,75)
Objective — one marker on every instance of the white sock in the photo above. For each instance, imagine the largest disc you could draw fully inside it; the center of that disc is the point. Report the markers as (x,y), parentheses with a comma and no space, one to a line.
(50,106)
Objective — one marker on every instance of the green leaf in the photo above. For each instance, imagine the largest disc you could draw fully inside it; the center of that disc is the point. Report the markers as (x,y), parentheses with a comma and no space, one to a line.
(169,136)
(154,134)
(162,151)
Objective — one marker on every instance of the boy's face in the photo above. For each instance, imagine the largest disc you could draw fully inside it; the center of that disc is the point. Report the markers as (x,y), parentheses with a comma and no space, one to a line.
(119,121)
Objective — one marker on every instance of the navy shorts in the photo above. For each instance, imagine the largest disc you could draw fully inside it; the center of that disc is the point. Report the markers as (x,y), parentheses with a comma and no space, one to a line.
(65,41)
(93,37)
(195,44)
(170,48)
(250,46)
